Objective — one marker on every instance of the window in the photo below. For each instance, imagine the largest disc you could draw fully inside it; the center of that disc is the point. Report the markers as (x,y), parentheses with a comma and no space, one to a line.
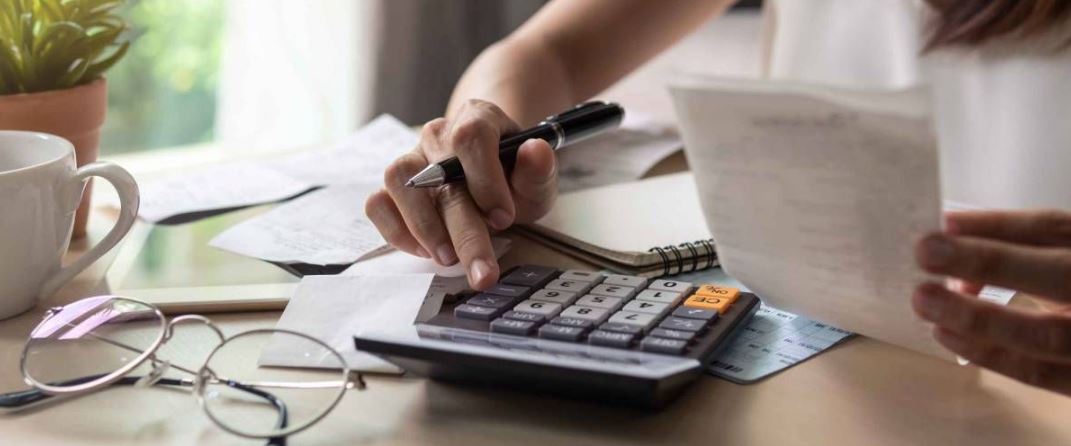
(163,93)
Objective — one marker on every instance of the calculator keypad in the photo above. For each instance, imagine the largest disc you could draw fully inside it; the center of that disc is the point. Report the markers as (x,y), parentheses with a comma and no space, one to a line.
(659,316)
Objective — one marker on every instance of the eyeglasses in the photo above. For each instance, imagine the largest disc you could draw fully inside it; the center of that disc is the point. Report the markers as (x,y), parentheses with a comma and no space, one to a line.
(100,341)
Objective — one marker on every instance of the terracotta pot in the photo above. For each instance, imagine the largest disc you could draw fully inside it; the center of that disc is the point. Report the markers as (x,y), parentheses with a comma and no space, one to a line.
(75,114)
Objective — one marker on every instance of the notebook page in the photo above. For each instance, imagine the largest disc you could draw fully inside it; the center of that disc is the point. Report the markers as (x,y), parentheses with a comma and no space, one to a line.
(815,200)
(630,217)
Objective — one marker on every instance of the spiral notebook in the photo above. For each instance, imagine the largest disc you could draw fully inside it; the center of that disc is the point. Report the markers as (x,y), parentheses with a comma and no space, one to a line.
(651,227)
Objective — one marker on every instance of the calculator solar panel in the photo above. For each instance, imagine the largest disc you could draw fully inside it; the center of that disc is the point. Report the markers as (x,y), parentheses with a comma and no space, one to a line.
(652,336)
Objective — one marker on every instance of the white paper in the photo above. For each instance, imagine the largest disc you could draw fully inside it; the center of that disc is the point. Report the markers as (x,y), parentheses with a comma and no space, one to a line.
(215,187)
(360,158)
(334,308)
(815,197)
(324,227)
(616,157)
(772,341)
(399,262)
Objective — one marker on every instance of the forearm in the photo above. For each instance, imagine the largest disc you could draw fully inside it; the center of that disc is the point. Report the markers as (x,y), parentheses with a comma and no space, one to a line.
(573,49)
(527,80)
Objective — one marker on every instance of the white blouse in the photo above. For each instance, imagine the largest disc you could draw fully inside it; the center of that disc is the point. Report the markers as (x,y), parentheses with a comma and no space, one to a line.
(1003,111)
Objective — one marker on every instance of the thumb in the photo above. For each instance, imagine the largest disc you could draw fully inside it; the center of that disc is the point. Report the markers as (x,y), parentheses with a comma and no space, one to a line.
(534,180)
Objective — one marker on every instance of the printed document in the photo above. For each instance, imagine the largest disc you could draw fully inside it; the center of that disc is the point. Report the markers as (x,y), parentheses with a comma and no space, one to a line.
(360,158)
(324,227)
(815,197)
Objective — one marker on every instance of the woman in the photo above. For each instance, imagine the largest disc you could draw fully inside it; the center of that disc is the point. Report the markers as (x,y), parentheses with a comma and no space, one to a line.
(999,72)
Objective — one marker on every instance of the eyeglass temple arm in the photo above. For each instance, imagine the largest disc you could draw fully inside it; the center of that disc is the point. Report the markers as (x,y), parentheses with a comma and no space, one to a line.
(278,403)
(23,398)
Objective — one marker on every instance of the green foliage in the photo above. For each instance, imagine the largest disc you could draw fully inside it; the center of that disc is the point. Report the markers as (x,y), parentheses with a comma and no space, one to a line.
(56,44)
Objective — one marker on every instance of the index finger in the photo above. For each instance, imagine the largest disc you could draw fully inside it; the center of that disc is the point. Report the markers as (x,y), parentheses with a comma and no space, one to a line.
(1044,227)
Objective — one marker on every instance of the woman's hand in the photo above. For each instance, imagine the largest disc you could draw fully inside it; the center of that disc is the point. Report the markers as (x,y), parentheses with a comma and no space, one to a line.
(1024,251)
(454,222)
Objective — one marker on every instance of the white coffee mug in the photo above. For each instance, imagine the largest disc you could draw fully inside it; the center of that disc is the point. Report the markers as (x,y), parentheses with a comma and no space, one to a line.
(40,188)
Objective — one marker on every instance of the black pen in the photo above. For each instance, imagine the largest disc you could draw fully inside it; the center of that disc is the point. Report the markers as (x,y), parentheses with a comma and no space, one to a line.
(573,125)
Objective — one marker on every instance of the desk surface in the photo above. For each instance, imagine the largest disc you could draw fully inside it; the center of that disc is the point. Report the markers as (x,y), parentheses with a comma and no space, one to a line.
(862,392)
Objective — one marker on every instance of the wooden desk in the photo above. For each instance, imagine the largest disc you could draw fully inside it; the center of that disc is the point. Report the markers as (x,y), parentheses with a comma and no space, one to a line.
(861,393)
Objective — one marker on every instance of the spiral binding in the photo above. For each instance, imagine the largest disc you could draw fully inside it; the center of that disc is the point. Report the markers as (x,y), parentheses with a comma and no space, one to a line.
(708,256)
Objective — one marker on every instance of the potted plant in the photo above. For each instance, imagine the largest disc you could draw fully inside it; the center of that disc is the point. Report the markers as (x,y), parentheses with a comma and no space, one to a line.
(52,56)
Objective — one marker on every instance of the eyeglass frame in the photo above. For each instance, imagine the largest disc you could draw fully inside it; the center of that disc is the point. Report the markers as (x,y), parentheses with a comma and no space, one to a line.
(352,378)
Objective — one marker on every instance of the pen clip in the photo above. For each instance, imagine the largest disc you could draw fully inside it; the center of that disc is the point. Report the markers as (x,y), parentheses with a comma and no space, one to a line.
(578,109)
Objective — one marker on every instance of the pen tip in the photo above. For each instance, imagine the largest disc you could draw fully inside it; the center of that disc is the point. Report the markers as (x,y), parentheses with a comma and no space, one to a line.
(410,183)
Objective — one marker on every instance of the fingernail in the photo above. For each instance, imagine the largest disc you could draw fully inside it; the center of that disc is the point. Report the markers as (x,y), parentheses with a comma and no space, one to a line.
(446,255)
(937,251)
(927,304)
(500,219)
(479,271)
(423,252)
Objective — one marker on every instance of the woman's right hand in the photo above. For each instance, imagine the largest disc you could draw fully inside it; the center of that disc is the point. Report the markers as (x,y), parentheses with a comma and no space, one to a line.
(454,222)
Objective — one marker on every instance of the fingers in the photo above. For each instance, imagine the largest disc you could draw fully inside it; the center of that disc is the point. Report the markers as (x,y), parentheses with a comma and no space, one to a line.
(1038,270)
(471,240)
(417,208)
(534,180)
(474,137)
(1031,370)
(1045,335)
(381,210)
(1046,227)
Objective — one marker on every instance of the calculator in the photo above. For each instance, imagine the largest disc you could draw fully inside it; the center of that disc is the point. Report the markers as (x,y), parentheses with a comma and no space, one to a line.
(580,334)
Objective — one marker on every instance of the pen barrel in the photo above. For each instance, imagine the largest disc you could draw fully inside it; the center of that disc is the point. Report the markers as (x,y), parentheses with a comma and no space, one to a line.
(585,123)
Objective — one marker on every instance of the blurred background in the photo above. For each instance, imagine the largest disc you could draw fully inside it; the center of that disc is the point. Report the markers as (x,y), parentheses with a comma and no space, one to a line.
(269,74)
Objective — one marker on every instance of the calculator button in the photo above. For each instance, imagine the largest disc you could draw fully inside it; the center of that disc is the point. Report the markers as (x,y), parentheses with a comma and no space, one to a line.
(558,297)
(476,312)
(561,333)
(596,315)
(719,304)
(583,276)
(623,292)
(619,327)
(583,324)
(546,309)
(679,335)
(530,276)
(670,285)
(695,313)
(678,323)
(502,289)
(663,345)
(642,306)
(572,286)
(665,297)
(619,280)
(525,316)
(728,293)
(591,300)
(491,300)
(611,339)
(513,327)
(642,321)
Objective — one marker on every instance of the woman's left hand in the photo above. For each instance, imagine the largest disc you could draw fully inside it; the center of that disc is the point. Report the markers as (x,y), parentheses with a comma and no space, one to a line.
(1025,251)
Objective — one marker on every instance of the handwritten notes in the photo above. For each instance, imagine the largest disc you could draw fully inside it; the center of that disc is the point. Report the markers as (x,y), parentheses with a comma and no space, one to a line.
(816,196)
(361,158)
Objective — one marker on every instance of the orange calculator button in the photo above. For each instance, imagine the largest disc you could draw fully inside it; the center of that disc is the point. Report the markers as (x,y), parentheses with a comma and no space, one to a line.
(724,292)
(719,304)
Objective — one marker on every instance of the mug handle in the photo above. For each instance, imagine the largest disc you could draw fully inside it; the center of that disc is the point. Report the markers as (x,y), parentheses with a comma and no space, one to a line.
(127,190)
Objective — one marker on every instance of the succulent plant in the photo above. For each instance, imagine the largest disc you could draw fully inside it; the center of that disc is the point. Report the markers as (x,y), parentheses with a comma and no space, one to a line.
(57,44)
